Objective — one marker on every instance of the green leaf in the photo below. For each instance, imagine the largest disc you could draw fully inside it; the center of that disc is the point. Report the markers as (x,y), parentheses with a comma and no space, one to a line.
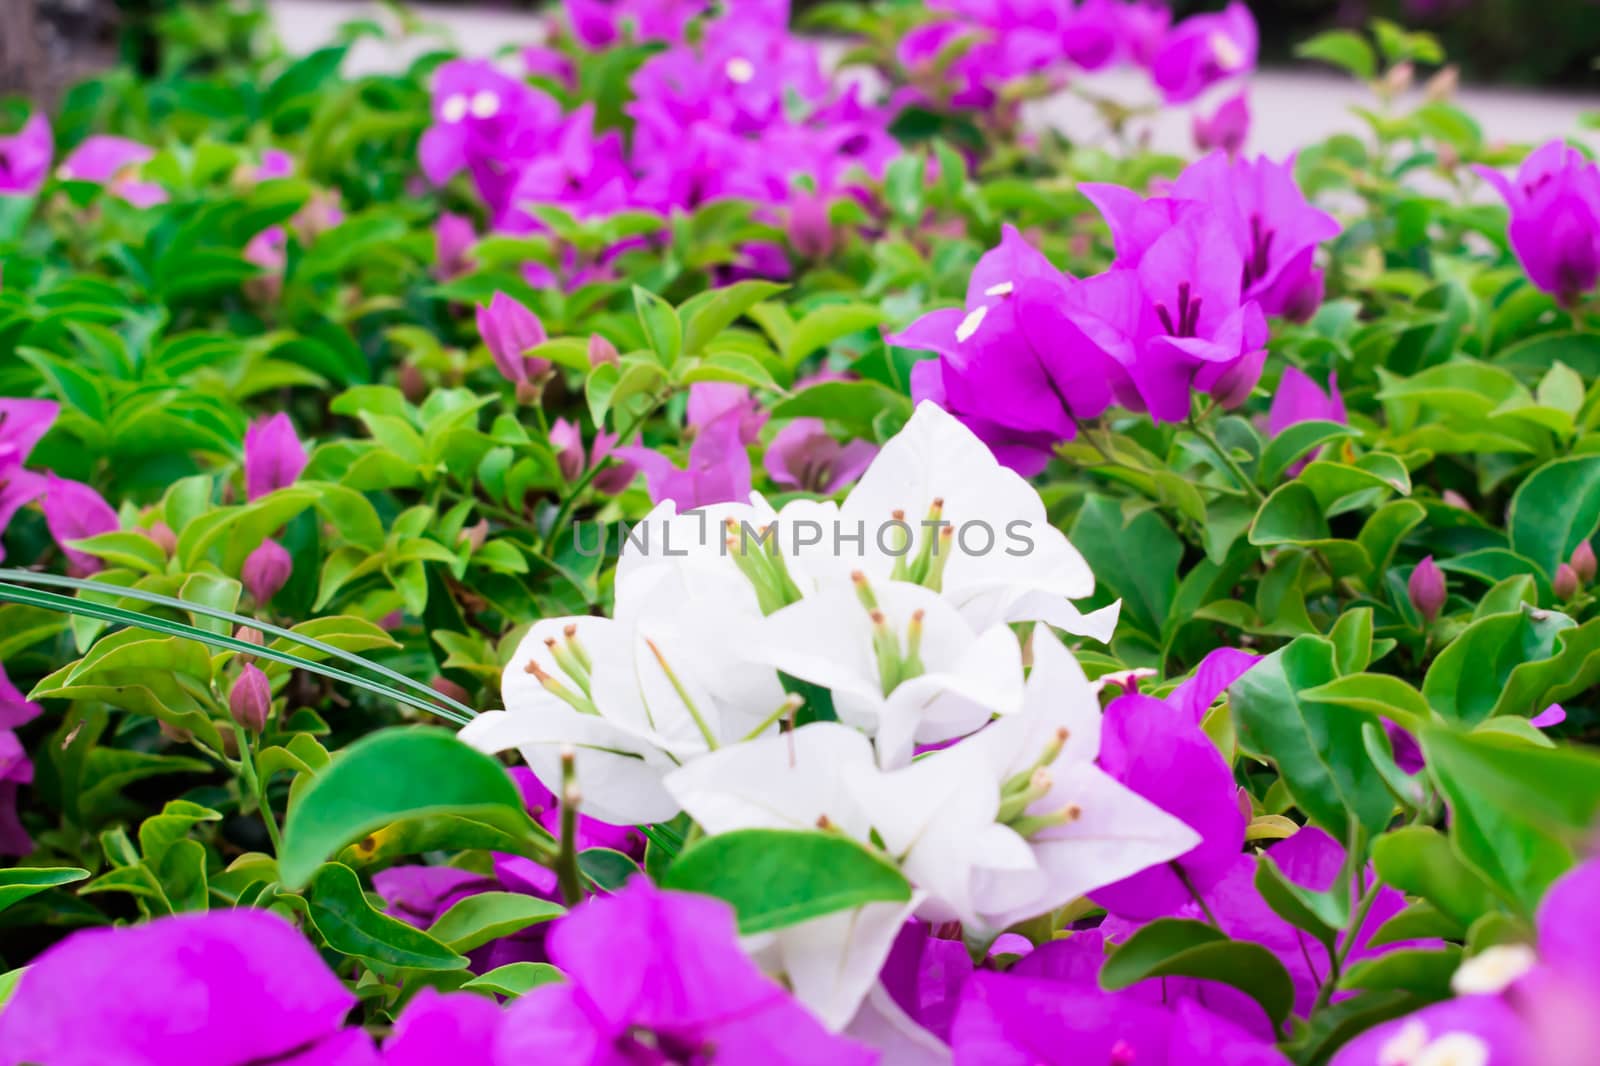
(853,403)
(1342,48)
(1316,746)
(1178,947)
(1420,972)
(20,882)
(704,319)
(1419,861)
(485,916)
(777,877)
(1136,559)
(1295,905)
(1379,694)
(347,921)
(825,325)
(514,979)
(1295,442)
(1518,815)
(660,324)
(1556,509)
(403,773)
(1507,663)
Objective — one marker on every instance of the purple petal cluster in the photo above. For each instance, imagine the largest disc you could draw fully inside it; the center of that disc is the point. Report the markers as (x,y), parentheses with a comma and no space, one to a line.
(1555,219)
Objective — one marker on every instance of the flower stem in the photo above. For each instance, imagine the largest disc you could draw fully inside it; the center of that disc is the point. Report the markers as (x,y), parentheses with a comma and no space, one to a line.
(570,500)
(1227,460)
(567,874)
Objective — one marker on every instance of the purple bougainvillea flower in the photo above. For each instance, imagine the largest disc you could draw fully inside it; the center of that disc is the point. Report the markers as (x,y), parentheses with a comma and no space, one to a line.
(1227,127)
(1033,353)
(25,157)
(1218,670)
(1142,29)
(711,400)
(598,23)
(1158,750)
(658,977)
(1196,332)
(453,236)
(804,455)
(1203,50)
(1555,218)
(568,440)
(273,455)
(110,161)
(16,769)
(1274,228)
(486,122)
(1006,1020)
(214,989)
(1472,1029)
(1300,399)
(22,424)
(75,511)
(455,1027)
(718,469)
(509,330)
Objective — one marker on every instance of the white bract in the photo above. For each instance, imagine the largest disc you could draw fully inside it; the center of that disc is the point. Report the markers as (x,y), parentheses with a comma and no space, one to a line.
(634,696)
(901,663)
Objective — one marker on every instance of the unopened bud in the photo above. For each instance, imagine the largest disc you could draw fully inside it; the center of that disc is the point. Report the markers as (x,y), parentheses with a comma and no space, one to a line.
(449,689)
(530,392)
(1455,499)
(250,635)
(1583,562)
(1427,589)
(250,698)
(266,569)
(1443,85)
(163,535)
(474,536)
(413,386)
(602,351)
(1399,79)
(1566,584)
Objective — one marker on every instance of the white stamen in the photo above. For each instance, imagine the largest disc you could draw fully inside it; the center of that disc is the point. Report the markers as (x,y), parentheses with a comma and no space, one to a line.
(1454,1049)
(970,324)
(455,108)
(1005,288)
(740,70)
(1124,680)
(1227,52)
(485,104)
(1406,1044)
(1492,970)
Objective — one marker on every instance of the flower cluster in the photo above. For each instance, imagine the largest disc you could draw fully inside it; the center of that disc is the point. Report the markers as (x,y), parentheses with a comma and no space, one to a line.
(1555,219)
(1182,310)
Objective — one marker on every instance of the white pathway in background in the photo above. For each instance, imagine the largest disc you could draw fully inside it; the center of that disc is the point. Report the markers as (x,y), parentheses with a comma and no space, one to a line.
(1291,108)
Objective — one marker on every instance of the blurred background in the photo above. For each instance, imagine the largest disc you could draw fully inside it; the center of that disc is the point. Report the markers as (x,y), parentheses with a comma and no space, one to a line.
(47,44)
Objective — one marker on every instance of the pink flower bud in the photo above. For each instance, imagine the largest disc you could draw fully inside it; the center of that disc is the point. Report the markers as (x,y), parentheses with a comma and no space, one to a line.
(509,329)
(163,535)
(251,635)
(1226,128)
(273,455)
(1566,583)
(250,698)
(1427,589)
(266,569)
(602,351)
(1583,562)
(445,687)
(1456,500)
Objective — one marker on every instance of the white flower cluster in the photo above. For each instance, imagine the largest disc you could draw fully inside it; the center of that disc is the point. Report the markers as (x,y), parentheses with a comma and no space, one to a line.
(678,703)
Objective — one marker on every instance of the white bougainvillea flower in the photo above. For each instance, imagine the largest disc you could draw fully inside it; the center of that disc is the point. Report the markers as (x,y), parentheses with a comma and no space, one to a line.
(1085,829)
(901,662)
(1007,563)
(635,697)
(799,780)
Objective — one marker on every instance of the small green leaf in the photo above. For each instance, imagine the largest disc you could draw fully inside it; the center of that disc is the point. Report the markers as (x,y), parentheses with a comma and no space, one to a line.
(20,882)
(485,916)
(777,877)
(1178,947)
(660,324)
(1344,49)
(340,911)
(402,773)
(514,979)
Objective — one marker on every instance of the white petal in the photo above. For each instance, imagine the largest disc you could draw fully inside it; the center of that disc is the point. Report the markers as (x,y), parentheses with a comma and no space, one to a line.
(900,1041)
(454,108)
(779,782)
(1117,834)
(619,777)
(833,961)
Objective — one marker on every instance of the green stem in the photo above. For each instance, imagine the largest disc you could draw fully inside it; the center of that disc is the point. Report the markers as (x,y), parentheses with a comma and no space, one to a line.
(568,876)
(1183,876)
(592,470)
(256,786)
(1227,460)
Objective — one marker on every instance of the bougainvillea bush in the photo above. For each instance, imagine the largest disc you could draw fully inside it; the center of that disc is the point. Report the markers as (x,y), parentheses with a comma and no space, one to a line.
(700,540)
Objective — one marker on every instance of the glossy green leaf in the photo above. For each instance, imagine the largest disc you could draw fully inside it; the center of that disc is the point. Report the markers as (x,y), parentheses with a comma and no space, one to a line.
(1178,947)
(484,916)
(20,882)
(348,922)
(776,878)
(1555,509)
